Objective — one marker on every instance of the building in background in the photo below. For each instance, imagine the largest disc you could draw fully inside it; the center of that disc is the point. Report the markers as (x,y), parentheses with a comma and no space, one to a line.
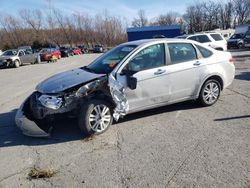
(149,32)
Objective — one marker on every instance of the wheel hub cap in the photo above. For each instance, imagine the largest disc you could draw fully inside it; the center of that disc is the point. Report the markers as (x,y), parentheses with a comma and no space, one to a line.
(211,92)
(100,118)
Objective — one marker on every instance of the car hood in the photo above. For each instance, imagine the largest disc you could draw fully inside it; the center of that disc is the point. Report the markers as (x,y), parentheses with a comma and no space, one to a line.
(233,40)
(5,57)
(66,80)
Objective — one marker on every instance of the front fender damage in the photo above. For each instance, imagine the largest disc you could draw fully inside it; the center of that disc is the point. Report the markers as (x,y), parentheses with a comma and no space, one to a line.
(117,91)
(36,115)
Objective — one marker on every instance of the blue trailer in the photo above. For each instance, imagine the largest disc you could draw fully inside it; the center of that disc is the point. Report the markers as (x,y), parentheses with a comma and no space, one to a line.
(148,32)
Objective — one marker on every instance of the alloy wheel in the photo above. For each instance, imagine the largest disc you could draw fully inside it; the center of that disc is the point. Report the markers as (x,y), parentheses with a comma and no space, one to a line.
(100,118)
(211,92)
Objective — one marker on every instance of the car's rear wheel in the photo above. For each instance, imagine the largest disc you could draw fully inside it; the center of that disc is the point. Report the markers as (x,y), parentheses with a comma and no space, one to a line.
(210,92)
(16,63)
(95,117)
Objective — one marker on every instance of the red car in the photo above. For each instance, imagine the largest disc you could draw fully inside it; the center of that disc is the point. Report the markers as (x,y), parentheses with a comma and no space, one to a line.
(76,51)
(47,53)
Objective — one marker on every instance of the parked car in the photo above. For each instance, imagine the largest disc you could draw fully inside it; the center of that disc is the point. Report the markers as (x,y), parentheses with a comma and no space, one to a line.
(247,39)
(83,49)
(47,53)
(27,49)
(66,51)
(131,77)
(214,40)
(236,41)
(76,51)
(15,58)
(98,48)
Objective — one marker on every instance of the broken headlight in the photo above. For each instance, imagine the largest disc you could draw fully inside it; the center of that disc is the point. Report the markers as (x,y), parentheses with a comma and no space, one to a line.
(83,91)
(52,102)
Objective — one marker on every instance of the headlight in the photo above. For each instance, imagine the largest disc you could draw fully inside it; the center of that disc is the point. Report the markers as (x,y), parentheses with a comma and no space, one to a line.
(83,91)
(52,102)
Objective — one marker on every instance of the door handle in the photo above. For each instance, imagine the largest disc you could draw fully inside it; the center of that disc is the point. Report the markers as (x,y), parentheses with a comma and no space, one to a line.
(159,71)
(197,63)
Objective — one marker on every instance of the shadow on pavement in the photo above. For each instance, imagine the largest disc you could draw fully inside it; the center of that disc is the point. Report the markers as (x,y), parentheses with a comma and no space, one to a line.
(243,76)
(231,118)
(239,50)
(66,129)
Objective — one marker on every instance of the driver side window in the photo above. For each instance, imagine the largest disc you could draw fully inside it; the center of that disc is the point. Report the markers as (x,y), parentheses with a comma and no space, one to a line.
(148,58)
(21,53)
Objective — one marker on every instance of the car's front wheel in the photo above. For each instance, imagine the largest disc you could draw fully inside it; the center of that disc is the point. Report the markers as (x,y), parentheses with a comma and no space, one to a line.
(95,117)
(16,63)
(210,92)
(240,45)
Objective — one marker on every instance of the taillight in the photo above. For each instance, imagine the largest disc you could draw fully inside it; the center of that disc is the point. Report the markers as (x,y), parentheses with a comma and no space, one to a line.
(231,60)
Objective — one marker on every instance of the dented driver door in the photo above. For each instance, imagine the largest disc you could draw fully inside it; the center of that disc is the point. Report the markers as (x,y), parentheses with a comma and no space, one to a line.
(153,80)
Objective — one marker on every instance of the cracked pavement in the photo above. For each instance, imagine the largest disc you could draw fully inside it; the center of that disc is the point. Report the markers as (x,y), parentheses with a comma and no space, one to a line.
(181,145)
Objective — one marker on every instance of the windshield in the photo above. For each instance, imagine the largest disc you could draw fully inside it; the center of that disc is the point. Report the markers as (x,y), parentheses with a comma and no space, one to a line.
(237,36)
(10,53)
(108,61)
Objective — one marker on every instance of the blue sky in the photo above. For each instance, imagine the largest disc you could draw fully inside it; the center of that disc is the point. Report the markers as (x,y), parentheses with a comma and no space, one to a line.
(123,8)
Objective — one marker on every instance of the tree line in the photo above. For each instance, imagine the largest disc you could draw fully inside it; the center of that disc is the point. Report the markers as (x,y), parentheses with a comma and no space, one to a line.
(202,16)
(37,28)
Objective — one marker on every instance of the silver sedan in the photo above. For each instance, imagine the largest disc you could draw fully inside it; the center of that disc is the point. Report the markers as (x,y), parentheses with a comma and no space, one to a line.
(131,77)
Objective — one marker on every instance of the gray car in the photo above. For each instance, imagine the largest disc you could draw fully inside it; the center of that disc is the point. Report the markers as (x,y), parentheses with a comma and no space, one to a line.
(17,57)
(131,77)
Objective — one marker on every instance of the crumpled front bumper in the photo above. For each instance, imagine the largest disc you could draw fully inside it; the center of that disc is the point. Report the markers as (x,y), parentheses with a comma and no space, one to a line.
(28,127)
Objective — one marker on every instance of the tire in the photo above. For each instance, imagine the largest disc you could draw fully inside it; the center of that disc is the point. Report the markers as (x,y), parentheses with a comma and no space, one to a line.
(219,49)
(210,96)
(90,120)
(16,63)
(240,45)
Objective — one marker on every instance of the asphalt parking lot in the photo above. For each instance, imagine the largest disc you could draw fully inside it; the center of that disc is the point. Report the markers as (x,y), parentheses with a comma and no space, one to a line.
(181,145)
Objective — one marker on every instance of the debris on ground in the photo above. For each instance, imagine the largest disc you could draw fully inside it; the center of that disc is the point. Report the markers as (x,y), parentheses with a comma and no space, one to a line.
(89,138)
(36,173)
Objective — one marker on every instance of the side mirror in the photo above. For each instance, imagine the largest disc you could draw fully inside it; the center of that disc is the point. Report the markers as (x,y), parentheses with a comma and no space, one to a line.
(124,72)
(132,82)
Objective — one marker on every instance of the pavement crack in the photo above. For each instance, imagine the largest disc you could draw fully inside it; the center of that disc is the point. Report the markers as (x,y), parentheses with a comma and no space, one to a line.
(14,174)
(238,93)
(181,164)
(119,168)
(37,156)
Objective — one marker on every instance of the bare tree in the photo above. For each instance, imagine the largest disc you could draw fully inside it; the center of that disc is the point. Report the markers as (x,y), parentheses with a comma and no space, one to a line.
(226,14)
(167,19)
(242,11)
(141,21)
(34,20)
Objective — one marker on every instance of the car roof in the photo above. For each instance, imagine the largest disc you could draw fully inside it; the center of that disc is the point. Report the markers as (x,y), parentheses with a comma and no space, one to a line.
(148,41)
(197,34)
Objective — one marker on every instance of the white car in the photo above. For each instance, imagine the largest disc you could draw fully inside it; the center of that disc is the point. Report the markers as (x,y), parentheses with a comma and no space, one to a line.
(131,77)
(214,40)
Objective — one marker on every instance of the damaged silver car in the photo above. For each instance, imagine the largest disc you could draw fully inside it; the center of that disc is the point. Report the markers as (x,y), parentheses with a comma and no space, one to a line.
(132,77)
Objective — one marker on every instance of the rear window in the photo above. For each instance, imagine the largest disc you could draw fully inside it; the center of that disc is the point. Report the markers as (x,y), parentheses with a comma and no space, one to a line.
(181,52)
(216,37)
(200,38)
(204,52)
